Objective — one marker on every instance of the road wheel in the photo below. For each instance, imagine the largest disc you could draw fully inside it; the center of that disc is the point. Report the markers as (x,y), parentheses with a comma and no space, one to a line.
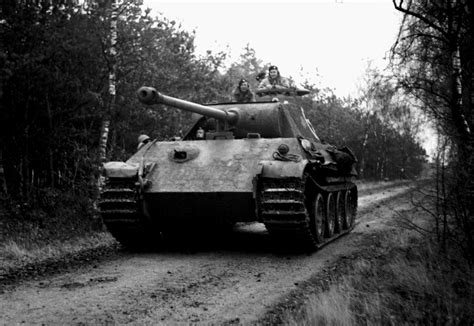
(330,214)
(340,211)
(318,218)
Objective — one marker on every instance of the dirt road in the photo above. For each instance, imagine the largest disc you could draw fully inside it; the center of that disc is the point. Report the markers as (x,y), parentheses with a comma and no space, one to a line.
(232,282)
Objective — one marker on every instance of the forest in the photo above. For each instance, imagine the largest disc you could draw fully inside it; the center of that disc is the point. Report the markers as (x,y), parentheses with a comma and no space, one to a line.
(70,71)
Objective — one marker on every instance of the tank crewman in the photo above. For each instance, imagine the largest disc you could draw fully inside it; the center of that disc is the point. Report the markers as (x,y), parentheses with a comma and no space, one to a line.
(142,140)
(242,93)
(261,76)
(274,80)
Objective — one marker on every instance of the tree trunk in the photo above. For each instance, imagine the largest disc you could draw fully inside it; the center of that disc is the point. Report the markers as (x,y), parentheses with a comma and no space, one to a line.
(10,163)
(110,104)
(50,174)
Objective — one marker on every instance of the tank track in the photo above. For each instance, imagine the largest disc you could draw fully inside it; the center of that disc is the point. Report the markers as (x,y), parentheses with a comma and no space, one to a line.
(120,208)
(283,207)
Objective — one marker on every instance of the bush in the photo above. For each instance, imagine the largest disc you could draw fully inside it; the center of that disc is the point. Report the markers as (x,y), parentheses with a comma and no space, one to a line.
(48,214)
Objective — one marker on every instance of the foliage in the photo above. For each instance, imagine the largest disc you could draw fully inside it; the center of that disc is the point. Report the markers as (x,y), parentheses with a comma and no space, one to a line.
(434,62)
(384,150)
(49,105)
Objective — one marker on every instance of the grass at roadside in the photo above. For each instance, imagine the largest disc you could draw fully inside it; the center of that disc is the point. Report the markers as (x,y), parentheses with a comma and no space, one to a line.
(49,227)
(366,188)
(401,280)
(17,254)
(364,185)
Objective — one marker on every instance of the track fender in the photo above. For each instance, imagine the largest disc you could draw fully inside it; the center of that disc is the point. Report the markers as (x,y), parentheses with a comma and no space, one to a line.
(121,169)
(282,169)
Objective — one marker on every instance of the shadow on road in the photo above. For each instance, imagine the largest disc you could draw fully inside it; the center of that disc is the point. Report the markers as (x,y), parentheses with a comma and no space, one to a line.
(242,238)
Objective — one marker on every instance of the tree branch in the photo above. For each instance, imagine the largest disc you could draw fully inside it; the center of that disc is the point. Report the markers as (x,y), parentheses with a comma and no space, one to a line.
(407,11)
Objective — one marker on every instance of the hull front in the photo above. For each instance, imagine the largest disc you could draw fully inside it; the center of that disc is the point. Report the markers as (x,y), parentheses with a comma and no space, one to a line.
(193,208)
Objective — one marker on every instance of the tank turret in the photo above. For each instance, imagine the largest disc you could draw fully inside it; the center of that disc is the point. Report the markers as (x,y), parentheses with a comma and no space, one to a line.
(241,118)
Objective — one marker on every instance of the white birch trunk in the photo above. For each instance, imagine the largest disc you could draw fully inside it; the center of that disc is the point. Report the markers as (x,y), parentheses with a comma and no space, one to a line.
(112,80)
(456,57)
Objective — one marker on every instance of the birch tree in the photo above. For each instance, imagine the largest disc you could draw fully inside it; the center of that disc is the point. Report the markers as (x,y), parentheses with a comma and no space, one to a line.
(112,66)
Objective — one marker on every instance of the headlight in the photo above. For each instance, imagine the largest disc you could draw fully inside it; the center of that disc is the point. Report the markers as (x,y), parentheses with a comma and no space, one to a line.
(283,149)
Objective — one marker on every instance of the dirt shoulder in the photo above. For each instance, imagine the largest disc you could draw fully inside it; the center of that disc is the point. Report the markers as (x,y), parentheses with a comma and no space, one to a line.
(239,280)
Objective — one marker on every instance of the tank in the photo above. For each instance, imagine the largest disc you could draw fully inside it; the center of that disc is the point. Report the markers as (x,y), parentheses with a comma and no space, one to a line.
(239,162)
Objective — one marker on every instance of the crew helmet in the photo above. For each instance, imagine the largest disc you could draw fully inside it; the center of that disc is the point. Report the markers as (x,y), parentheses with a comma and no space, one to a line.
(143,138)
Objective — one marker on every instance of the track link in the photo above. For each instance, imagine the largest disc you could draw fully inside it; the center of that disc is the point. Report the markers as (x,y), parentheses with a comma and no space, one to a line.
(283,211)
(121,212)
(283,208)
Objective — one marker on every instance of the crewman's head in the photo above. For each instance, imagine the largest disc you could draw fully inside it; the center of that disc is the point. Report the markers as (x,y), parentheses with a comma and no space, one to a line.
(273,71)
(244,85)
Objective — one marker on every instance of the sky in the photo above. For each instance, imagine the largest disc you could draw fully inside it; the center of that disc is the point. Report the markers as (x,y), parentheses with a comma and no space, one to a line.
(328,42)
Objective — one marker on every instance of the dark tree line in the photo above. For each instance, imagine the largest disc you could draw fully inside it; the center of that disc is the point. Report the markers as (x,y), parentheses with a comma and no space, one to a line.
(56,62)
(54,86)
(434,61)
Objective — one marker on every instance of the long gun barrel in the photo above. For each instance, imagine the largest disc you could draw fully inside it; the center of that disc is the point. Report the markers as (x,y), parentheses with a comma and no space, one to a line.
(149,96)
